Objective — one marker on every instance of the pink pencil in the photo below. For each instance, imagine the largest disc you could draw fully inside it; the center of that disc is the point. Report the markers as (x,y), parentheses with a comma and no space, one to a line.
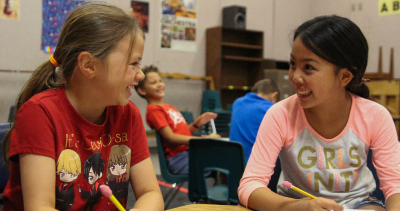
(106,191)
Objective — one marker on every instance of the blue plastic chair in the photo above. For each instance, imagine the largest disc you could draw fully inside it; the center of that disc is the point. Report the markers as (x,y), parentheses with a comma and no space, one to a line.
(11,114)
(4,174)
(211,102)
(212,154)
(188,115)
(176,180)
(377,192)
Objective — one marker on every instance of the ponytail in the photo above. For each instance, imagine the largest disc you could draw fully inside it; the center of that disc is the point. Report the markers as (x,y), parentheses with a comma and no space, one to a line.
(361,90)
(43,78)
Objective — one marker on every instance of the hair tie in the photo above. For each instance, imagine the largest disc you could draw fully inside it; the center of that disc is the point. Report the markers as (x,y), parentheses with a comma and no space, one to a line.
(53,61)
(364,80)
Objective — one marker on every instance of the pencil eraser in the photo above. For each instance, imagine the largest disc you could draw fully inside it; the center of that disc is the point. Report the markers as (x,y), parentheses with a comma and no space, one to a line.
(105,190)
(284,183)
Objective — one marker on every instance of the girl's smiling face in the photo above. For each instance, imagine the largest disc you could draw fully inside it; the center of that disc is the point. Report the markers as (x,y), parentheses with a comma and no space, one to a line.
(116,79)
(315,80)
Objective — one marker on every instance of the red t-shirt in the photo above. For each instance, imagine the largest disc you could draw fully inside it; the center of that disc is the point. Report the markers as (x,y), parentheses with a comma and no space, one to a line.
(159,116)
(48,125)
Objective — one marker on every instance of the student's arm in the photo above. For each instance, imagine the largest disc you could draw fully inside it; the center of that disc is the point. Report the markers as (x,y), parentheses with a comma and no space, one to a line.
(38,182)
(393,202)
(202,120)
(265,199)
(177,139)
(145,186)
(386,155)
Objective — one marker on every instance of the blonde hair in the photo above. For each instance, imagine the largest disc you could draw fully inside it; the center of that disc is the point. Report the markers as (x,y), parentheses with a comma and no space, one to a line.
(94,28)
(70,162)
(119,154)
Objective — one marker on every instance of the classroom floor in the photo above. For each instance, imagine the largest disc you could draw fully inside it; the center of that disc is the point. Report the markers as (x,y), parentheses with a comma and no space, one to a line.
(181,197)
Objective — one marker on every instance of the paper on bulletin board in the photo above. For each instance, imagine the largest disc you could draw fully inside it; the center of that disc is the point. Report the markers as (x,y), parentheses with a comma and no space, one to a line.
(53,17)
(178,25)
(388,7)
(9,9)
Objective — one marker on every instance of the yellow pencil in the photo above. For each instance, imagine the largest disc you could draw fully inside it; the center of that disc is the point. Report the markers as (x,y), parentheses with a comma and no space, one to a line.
(289,185)
(106,191)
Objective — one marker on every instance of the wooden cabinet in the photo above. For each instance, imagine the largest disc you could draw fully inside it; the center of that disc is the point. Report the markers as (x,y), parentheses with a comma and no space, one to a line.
(234,59)
(387,93)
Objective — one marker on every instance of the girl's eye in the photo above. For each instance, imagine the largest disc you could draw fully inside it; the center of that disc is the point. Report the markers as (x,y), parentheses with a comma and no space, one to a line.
(62,174)
(112,168)
(90,178)
(123,166)
(291,63)
(309,67)
(70,175)
(135,63)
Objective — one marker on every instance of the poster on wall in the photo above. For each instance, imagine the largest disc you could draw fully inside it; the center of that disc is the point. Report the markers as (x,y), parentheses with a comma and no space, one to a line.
(53,17)
(141,11)
(178,25)
(9,9)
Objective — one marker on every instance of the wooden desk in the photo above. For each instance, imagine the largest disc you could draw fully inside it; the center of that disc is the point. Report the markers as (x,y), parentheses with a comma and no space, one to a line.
(214,207)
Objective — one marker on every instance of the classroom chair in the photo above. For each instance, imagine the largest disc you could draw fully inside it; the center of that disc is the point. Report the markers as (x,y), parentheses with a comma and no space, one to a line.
(11,114)
(4,174)
(188,115)
(215,155)
(211,102)
(377,192)
(176,180)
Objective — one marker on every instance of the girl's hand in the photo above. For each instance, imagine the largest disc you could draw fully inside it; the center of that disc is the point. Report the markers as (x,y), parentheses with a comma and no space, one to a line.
(318,204)
(205,118)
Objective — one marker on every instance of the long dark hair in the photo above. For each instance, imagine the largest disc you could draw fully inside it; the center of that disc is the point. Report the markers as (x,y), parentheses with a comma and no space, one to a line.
(95,28)
(339,41)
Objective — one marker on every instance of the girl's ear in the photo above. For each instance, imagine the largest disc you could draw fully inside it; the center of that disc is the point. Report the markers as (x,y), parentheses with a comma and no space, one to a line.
(86,64)
(345,76)
(141,91)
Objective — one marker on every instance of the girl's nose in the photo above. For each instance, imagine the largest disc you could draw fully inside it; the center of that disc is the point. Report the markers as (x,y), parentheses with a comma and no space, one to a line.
(140,75)
(297,78)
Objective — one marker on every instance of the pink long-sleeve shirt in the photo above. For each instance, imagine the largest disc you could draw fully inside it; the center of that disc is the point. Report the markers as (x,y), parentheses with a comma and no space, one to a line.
(332,168)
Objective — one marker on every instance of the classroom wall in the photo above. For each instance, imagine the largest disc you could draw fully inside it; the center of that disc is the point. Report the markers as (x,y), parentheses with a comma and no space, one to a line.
(20,41)
(20,50)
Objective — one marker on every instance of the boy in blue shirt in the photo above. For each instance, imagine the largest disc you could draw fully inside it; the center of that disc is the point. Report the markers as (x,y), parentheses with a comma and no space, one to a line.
(248,112)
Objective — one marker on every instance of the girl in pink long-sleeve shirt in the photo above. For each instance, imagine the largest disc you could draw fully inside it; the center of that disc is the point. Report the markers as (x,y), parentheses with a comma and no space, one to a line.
(322,134)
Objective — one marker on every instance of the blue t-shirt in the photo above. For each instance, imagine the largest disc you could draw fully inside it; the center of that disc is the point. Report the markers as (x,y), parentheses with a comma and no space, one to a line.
(247,114)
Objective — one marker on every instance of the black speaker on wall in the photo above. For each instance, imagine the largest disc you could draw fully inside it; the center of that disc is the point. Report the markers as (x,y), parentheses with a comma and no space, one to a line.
(234,17)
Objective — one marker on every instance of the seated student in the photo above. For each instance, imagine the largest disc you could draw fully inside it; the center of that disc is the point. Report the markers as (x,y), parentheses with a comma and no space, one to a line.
(69,119)
(169,122)
(323,134)
(248,112)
